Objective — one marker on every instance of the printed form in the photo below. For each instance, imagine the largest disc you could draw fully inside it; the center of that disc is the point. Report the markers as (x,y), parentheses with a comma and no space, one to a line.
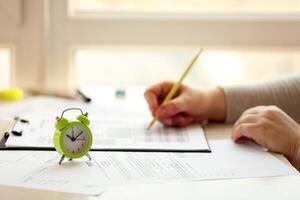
(113,128)
(115,133)
(115,125)
(227,161)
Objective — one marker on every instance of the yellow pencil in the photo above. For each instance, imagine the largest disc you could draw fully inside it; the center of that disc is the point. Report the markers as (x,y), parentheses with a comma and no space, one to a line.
(177,85)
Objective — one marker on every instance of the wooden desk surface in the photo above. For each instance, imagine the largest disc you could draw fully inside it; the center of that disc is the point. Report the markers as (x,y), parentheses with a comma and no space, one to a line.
(252,188)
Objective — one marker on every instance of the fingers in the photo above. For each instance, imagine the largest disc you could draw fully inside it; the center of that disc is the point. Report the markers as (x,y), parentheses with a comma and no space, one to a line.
(152,102)
(170,109)
(156,93)
(171,113)
(246,118)
(244,130)
(246,124)
(178,120)
(251,125)
(162,89)
(159,90)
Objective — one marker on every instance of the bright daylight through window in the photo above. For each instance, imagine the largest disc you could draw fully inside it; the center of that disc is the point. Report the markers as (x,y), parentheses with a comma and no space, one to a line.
(4,68)
(115,65)
(182,6)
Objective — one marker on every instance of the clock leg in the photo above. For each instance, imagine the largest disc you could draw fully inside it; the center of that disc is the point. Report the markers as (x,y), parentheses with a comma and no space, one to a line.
(88,155)
(61,159)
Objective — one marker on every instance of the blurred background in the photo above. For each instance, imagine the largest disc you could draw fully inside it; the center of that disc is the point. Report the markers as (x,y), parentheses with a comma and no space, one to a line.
(59,45)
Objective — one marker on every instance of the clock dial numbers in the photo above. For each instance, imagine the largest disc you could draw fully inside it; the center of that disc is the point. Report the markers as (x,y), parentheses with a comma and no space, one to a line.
(75,140)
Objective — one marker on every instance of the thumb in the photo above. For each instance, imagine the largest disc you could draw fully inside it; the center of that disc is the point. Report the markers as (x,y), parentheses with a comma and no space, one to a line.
(171,108)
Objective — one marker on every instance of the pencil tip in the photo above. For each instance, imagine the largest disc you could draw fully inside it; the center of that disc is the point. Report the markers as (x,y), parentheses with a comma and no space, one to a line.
(151,123)
(148,128)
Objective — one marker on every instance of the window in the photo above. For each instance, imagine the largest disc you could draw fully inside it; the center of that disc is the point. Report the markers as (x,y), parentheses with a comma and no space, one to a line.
(115,41)
(61,43)
(121,66)
(183,6)
(5,68)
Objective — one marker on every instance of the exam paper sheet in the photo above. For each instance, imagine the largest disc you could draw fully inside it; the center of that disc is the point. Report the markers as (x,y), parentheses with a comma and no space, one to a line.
(227,161)
(25,169)
(113,133)
(115,126)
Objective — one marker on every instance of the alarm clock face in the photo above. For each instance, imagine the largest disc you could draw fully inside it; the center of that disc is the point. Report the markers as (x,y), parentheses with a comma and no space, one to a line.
(76,140)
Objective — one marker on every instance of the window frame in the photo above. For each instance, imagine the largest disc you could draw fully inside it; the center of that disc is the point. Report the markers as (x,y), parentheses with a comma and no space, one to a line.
(206,30)
(43,41)
(23,34)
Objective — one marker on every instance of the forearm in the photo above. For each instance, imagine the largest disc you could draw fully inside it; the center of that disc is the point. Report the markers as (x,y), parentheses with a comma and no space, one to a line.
(284,93)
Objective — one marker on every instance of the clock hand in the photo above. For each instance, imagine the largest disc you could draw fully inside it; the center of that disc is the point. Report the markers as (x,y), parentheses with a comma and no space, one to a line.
(72,133)
(78,135)
(80,139)
(71,138)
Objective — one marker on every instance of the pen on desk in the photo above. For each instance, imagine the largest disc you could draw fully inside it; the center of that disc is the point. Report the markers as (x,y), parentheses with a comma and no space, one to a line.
(177,85)
(51,93)
(72,95)
(83,96)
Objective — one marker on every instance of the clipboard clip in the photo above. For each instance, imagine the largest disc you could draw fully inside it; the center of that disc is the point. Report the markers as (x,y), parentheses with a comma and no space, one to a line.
(11,127)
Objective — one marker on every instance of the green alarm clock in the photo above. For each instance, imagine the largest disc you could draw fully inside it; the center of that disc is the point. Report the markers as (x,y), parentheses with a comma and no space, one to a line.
(73,139)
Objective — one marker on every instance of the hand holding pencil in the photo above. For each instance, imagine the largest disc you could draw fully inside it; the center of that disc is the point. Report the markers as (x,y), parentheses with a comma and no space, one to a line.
(186,105)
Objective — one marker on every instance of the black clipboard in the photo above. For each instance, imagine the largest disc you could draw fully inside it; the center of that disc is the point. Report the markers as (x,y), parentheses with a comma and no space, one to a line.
(11,130)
